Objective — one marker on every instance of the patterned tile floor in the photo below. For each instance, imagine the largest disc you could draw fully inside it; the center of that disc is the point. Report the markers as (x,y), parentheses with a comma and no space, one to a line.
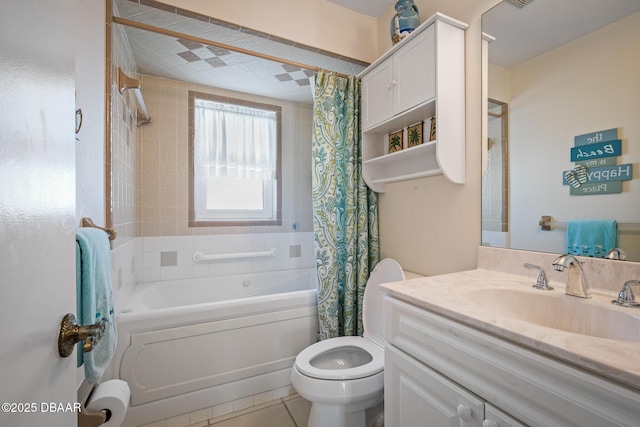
(291,411)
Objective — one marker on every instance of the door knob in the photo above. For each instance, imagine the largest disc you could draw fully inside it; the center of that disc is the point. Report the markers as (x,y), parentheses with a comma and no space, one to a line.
(71,333)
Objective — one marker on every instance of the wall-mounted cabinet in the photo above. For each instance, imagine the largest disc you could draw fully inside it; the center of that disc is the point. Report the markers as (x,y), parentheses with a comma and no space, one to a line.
(419,78)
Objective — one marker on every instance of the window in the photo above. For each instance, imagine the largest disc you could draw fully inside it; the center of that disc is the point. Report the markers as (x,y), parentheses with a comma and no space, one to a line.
(235,161)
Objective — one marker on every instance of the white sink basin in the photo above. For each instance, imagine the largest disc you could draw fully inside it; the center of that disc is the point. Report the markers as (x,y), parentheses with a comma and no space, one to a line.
(595,317)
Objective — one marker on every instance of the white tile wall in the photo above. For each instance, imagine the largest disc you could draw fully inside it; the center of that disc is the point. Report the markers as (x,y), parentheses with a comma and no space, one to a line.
(148,267)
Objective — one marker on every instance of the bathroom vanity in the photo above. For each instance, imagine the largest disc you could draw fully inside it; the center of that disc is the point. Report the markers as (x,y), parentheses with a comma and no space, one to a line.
(483,348)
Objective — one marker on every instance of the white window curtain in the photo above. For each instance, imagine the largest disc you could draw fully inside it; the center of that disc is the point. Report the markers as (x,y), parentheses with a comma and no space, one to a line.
(235,141)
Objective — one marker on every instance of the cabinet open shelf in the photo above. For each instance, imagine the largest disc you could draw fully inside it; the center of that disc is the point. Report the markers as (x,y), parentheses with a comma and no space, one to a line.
(403,154)
(410,163)
(422,112)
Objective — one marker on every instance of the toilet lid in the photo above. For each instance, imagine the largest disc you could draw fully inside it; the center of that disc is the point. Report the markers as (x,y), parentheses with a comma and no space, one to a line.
(348,358)
(387,270)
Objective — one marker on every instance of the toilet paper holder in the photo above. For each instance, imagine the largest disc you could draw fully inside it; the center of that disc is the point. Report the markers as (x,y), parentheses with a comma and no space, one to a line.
(92,419)
(105,404)
(87,418)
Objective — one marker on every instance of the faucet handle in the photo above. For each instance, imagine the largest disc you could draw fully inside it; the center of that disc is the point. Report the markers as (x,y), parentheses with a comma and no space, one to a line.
(626,298)
(617,254)
(542,282)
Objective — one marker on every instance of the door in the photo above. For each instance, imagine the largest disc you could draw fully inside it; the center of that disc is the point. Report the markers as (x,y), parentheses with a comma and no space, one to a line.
(415,71)
(377,94)
(494,417)
(417,396)
(37,212)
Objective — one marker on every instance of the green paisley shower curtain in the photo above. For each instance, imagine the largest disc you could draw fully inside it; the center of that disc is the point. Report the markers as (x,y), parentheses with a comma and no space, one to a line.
(345,211)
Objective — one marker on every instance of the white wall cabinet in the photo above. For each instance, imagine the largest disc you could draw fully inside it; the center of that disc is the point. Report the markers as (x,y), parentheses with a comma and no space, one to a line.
(439,372)
(420,78)
(402,81)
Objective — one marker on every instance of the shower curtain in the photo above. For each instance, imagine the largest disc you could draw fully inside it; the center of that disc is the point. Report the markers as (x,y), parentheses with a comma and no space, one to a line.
(345,210)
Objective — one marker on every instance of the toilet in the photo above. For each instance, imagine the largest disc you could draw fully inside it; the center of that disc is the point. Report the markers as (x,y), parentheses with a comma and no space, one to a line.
(343,377)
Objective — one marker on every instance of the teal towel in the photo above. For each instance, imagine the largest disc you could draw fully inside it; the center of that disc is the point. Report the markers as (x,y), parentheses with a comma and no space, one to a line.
(591,237)
(93,271)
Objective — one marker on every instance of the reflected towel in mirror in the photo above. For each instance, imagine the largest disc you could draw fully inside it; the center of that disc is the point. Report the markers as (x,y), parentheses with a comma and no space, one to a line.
(591,238)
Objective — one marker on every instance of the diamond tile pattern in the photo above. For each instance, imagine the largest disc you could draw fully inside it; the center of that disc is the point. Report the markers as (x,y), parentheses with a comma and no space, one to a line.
(186,60)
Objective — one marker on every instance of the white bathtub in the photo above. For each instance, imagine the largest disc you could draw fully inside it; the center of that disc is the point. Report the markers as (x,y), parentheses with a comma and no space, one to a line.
(185,345)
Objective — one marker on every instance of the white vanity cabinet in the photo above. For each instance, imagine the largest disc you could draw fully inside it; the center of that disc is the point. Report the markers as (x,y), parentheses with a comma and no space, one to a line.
(420,78)
(440,372)
(420,396)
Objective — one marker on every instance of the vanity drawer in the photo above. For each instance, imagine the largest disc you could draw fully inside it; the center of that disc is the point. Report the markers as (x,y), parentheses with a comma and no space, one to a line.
(538,390)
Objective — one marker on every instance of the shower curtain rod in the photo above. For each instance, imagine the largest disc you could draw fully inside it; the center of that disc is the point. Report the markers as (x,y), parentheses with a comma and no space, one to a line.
(170,33)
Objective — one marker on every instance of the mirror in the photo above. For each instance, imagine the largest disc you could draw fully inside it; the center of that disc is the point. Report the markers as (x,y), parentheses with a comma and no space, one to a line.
(558,70)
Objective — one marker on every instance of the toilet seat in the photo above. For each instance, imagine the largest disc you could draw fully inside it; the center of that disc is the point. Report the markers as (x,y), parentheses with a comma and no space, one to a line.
(337,350)
(305,358)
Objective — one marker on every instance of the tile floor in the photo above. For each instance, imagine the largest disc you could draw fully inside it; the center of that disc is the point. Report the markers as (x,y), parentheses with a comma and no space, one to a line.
(290,411)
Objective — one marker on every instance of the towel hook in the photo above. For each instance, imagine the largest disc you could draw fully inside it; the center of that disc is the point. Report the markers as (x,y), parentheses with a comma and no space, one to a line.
(71,333)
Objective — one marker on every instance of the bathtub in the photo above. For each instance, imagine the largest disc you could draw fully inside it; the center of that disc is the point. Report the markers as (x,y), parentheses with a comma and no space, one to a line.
(185,345)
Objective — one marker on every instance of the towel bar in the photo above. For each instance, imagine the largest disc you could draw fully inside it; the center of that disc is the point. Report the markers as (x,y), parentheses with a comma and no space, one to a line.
(88,222)
(125,83)
(546,223)
(200,257)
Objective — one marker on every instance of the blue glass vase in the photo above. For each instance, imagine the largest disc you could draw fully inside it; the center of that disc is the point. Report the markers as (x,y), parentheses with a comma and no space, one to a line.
(405,20)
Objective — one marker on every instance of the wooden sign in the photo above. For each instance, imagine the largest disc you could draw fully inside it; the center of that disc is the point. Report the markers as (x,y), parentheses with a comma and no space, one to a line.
(603,161)
(597,188)
(597,150)
(606,174)
(611,173)
(595,137)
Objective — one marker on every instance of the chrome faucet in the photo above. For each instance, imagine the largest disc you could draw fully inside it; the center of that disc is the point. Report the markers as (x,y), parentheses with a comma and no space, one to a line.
(626,297)
(542,282)
(616,253)
(576,280)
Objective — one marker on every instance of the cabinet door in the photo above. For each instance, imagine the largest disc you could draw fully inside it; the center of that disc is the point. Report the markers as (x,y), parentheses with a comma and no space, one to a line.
(415,395)
(414,70)
(377,94)
(494,417)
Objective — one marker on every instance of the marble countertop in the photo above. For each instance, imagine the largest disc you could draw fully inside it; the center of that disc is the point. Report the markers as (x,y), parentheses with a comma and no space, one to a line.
(448,295)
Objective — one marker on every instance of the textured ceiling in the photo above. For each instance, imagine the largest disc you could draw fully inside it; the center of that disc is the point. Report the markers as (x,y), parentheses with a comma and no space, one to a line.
(185,60)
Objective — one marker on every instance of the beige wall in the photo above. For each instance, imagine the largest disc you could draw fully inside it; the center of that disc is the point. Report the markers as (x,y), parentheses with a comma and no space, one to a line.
(430,225)
(315,23)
